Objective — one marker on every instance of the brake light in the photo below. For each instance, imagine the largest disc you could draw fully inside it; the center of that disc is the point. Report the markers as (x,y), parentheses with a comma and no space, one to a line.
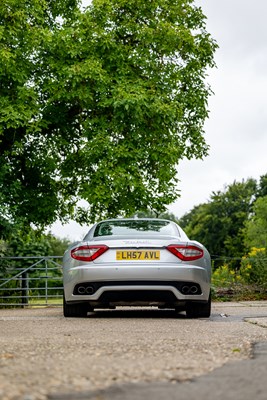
(88,253)
(186,252)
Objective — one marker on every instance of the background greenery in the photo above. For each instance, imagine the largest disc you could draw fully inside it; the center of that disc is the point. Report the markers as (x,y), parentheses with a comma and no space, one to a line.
(233,226)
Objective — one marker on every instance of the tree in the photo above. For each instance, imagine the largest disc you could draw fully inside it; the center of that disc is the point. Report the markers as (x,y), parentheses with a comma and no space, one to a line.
(57,245)
(219,224)
(256,226)
(102,105)
(28,188)
(150,214)
(29,243)
(262,187)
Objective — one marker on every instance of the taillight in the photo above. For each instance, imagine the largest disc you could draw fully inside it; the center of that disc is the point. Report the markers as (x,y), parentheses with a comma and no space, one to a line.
(186,252)
(88,253)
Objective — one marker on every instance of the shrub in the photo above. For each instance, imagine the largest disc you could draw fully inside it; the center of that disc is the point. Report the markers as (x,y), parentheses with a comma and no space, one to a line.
(254,267)
(224,276)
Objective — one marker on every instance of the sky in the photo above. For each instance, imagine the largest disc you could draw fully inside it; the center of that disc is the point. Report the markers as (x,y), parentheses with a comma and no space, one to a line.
(236,130)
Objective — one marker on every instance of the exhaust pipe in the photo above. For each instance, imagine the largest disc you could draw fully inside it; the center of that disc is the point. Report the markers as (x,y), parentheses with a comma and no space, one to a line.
(193,289)
(89,290)
(81,289)
(185,289)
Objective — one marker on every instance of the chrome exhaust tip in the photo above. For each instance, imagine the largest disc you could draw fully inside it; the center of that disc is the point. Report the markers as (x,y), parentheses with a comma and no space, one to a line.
(89,290)
(81,290)
(193,289)
(185,289)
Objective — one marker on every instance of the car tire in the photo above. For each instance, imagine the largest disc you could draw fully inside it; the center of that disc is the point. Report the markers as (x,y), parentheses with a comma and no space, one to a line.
(74,310)
(199,310)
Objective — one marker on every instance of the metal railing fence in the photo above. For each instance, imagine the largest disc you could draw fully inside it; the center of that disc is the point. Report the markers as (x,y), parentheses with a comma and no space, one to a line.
(31,281)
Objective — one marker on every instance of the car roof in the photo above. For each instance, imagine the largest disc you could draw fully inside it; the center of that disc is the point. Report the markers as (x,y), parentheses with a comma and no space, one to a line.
(136,219)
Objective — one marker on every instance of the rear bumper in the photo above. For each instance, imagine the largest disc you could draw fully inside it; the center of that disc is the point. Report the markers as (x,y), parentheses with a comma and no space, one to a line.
(132,285)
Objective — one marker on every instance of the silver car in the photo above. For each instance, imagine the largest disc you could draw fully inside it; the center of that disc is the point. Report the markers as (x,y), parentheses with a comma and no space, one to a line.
(137,262)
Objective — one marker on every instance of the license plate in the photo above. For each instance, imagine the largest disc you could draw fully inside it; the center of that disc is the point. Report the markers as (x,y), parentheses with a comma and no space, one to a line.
(137,255)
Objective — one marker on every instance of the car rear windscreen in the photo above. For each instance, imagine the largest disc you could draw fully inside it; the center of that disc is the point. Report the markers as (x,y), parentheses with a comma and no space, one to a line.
(135,228)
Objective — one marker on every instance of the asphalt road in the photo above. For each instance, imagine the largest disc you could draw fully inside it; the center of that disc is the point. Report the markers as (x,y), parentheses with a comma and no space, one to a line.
(134,354)
(244,380)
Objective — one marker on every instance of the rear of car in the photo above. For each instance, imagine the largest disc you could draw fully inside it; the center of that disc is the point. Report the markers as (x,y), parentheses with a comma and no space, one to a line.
(137,262)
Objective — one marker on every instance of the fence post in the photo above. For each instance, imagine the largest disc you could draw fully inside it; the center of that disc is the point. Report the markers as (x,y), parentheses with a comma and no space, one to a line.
(46,283)
(24,289)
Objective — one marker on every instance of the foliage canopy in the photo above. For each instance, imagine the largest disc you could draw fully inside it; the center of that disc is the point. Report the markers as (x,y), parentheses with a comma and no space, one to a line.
(99,105)
(220,223)
(256,225)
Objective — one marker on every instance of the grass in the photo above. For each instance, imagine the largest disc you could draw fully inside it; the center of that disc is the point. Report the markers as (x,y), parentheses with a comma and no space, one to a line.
(53,301)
